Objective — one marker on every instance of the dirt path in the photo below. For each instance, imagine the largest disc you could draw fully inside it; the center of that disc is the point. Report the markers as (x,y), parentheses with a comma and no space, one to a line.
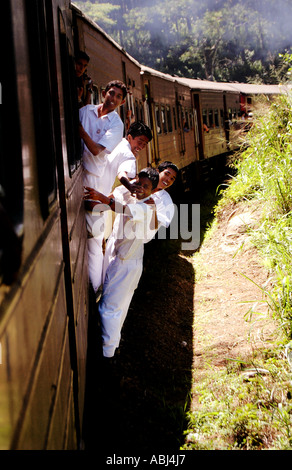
(228,269)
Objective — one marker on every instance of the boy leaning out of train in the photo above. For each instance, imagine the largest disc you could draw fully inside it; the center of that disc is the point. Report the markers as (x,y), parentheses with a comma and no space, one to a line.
(135,224)
(101,130)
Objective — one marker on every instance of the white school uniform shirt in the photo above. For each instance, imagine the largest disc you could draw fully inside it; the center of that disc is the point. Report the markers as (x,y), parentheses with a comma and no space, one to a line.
(130,232)
(106,130)
(164,208)
(120,159)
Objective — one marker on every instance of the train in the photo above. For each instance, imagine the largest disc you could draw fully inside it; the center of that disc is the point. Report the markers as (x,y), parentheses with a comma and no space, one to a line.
(44,300)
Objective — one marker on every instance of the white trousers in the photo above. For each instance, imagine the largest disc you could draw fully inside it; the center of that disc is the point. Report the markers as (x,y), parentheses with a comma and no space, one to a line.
(95,253)
(121,280)
(98,226)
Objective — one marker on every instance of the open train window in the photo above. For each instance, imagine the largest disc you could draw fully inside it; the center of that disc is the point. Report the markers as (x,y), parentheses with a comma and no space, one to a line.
(41,64)
(169,121)
(205,117)
(174,118)
(11,171)
(211,118)
(95,96)
(216,118)
(138,113)
(142,117)
(222,117)
(71,111)
(163,119)
(158,120)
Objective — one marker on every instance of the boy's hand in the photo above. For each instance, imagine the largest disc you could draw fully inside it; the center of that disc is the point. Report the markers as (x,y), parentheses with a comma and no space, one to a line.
(133,187)
(150,201)
(92,194)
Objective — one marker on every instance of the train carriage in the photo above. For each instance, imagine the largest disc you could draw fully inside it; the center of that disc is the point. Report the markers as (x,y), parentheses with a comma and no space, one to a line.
(43,258)
(172,118)
(43,300)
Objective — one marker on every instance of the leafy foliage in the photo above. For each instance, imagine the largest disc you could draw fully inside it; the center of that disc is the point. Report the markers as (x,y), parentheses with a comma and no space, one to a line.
(228,40)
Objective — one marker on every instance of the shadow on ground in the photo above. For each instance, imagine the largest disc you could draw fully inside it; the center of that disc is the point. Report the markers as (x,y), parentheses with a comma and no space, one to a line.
(140,404)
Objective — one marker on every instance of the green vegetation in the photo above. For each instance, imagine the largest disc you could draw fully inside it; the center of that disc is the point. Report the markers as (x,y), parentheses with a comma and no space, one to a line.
(224,40)
(244,408)
(264,173)
(249,404)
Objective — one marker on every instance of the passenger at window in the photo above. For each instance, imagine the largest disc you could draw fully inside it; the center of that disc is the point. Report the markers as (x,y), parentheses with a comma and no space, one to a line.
(84,82)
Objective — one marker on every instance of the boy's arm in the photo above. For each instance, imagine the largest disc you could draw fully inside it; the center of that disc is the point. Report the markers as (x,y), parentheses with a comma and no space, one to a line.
(94,195)
(92,146)
(154,220)
(124,180)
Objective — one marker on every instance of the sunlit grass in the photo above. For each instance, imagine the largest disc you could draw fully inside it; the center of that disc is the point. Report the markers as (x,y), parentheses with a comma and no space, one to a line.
(235,409)
(264,172)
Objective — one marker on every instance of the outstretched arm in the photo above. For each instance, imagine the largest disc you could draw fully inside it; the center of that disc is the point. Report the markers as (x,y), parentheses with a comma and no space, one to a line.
(154,220)
(93,195)
(125,181)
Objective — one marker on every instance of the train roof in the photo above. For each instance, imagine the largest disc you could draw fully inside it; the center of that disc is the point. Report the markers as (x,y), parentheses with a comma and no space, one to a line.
(100,30)
(198,84)
(245,88)
(254,89)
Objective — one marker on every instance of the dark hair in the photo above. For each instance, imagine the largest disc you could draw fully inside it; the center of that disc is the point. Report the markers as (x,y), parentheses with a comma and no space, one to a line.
(162,166)
(150,173)
(139,128)
(118,84)
(82,55)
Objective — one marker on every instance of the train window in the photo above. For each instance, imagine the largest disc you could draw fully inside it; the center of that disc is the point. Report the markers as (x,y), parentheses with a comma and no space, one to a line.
(42,66)
(216,118)
(179,115)
(174,118)
(196,127)
(70,99)
(230,114)
(205,117)
(130,102)
(11,171)
(95,96)
(141,112)
(211,118)
(157,117)
(163,120)
(191,120)
(169,121)
(186,124)
(138,116)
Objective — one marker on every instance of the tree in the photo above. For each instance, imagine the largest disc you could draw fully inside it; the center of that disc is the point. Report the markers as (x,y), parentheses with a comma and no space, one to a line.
(237,40)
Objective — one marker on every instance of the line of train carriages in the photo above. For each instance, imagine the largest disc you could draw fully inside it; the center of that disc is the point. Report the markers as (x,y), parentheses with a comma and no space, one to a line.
(44,303)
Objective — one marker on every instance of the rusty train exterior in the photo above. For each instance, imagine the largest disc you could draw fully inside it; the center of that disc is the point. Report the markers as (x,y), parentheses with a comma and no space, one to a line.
(44,304)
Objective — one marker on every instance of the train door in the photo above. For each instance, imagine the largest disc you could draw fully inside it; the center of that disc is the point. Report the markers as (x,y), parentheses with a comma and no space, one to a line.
(226,121)
(150,121)
(74,230)
(182,145)
(199,141)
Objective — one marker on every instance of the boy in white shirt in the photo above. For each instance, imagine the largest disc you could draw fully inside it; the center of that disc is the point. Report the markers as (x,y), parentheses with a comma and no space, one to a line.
(135,224)
(168,172)
(121,163)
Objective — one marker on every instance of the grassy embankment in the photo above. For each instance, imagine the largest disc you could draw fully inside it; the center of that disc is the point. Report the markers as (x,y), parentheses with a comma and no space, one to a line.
(257,413)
